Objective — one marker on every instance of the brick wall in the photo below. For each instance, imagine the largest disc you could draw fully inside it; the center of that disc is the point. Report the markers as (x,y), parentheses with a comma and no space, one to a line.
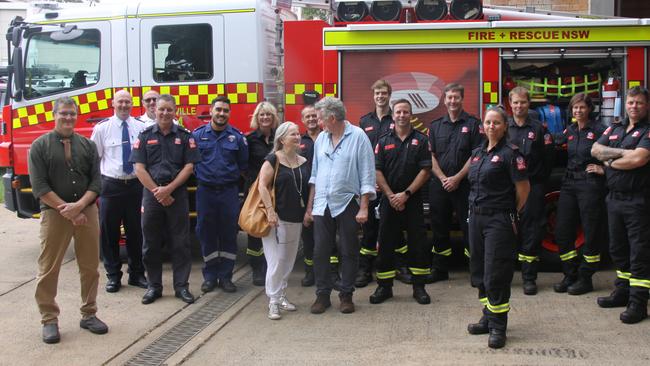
(579,6)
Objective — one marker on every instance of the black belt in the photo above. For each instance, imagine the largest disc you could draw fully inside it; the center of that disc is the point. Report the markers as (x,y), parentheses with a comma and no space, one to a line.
(576,174)
(120,180)
(216,187)
(487,211)
(625,196)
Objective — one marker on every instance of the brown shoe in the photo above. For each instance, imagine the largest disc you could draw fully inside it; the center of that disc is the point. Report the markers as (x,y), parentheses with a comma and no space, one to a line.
(347,306)
(321,304)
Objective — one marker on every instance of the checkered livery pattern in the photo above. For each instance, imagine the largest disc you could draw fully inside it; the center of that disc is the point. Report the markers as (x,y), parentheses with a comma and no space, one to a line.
(294,91)
(238,93)
(490,93)
(632,83)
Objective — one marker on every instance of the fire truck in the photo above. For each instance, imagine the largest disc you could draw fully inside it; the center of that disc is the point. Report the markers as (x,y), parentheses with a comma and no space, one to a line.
(255,50)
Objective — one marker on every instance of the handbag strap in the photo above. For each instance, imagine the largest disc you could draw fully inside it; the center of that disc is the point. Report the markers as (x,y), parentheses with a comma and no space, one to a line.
(275,175)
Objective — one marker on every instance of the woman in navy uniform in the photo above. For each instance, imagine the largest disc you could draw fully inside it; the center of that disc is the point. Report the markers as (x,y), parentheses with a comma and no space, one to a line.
(499,188)
(582,200)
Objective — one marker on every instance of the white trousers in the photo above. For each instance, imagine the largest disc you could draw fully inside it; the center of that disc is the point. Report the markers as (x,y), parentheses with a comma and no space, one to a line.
(280,250)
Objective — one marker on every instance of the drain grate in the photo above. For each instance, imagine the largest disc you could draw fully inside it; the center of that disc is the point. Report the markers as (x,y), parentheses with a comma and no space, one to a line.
(172,340)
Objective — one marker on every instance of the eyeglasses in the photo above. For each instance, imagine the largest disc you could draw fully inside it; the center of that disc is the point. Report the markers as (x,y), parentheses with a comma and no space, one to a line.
(149,100)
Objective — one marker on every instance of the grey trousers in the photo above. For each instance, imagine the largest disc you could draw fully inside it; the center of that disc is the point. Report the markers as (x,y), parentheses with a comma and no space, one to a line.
(325,229)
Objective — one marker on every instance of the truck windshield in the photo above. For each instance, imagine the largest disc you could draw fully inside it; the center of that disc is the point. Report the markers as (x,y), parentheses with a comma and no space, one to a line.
(53,66)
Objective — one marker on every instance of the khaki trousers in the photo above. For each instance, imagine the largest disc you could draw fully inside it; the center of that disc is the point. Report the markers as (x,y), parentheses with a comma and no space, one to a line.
(55,234)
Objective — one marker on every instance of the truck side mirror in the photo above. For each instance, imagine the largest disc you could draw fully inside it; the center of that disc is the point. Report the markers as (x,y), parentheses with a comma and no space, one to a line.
(18,73)
(16,36)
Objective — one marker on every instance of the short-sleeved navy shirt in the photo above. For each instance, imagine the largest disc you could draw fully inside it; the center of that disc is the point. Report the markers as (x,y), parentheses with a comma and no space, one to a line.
(616,136)
(452,142)
(224,155)
(535,143)
(401,161)
(579,143)
(492,175)
(374,127)
(165,155)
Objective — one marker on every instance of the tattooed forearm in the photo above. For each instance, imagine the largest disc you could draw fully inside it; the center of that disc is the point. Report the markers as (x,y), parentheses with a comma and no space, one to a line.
(604,153)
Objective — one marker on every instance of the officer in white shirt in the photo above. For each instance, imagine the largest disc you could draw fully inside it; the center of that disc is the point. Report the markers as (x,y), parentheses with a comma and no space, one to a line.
(121,193)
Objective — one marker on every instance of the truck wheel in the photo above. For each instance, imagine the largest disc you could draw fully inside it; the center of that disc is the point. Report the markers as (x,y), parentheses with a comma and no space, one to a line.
(549,253)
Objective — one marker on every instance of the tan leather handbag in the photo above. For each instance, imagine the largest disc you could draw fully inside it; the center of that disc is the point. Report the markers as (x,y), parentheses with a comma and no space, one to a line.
(252,217)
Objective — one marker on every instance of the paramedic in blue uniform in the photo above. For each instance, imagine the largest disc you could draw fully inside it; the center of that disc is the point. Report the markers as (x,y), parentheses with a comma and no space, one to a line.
(625,151)
(164,156)
(498,191)
(582,200)
(452,138)
(536,145)
(402,165)
(224,158)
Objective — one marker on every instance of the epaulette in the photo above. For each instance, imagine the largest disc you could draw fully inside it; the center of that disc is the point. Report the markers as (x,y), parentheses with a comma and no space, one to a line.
(138,119)
(512,146)
(421,133)
(149,128)
(237,130)
(182,128)
(104,120)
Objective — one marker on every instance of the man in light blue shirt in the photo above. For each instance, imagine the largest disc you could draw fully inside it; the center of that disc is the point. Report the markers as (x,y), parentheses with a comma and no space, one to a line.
(342,183)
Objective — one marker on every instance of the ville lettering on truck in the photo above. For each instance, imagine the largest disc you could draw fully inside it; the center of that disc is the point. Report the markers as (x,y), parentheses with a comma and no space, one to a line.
(251,51)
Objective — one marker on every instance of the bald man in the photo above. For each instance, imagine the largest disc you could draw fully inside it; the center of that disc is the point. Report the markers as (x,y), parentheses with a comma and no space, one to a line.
(121,194)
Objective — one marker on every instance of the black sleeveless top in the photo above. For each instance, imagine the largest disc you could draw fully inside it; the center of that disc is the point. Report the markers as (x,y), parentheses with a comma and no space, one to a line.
(288,184)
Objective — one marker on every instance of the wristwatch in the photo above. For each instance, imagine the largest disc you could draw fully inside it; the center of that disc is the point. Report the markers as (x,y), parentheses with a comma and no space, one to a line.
(408,193)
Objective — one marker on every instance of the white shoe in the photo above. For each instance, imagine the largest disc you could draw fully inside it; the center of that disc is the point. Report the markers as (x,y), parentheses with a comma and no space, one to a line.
(286,305)
(274,311)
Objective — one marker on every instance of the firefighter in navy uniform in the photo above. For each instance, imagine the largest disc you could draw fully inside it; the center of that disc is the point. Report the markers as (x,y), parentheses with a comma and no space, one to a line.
(582,200)
(536,144)
(452,139)
(625,151)
(224,158)
(403,165)
(164,156)
(498,190)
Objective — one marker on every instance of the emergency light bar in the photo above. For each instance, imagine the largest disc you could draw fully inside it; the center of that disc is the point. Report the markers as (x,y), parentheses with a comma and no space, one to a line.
(425,10)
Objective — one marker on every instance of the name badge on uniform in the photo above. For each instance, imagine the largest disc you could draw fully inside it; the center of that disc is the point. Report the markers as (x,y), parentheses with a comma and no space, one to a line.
(177,141)
(636,134)
(192,143)
(475,159)
(415,142)
(368,129)
(570,138)
(495,159)
(389,147)
(613,137)
(464,129)
(590,135)
(608,130)
(531,135)
(152,142)
(521,163)
(136,145)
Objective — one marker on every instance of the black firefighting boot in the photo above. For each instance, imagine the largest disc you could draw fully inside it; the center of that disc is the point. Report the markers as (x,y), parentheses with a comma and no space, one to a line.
(529,275)
(309,279)
(364,275)
(403,273)
(497,338)
(570,270)
(479,328)
(419,293)
(618,298)
(258,264)
(582,286)
(383,292)
(634,313)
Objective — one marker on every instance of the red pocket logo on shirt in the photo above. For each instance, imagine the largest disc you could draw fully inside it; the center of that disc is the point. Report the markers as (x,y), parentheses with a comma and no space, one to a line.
(389,147)
(415,142)
(192,143)
(521,163)
(152,142)
(495,159)
(613,137)
(367,129)
(475,159)
(136,145)
(392,126)
(590,135)
(570,138)
(531,135)
(636,134)
(302,146)
(464,129)
(547,139)
(177,141)
(608,130)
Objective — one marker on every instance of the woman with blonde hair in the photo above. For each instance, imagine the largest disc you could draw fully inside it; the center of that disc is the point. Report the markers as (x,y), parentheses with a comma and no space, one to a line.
(291,193)
(260,143)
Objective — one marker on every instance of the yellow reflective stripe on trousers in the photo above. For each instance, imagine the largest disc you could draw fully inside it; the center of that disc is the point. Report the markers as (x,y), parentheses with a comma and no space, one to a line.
(420,271)
(568,256)
(402,250)
(445,253)
(386,275)
(503,308)
(483,300)
(309,262)
(637,282)
(592,258)
(528,258)
(254,253)
(467,253)
(365,251)
(334,260)
(623,275)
